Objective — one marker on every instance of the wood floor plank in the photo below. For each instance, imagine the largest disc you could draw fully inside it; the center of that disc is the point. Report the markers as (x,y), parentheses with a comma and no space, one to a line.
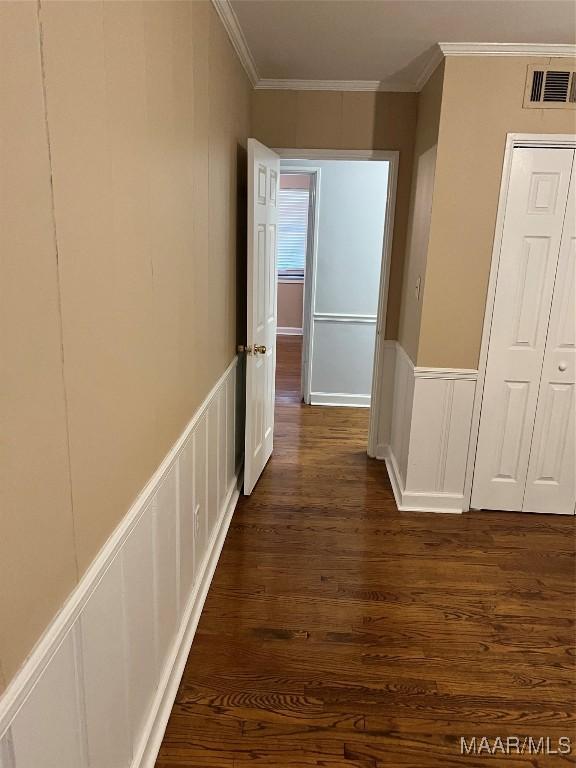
(339,632)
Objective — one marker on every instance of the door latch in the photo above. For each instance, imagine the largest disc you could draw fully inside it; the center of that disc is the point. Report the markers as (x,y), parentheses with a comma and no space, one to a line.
(257,349)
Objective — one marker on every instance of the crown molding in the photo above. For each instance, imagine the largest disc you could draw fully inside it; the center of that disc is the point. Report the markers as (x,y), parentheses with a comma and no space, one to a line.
(232,26)
(507,49)
(391,86)
(435,58)
(333,85)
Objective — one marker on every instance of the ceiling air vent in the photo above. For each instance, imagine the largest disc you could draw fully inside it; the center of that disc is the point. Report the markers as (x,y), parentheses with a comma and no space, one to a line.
(550,87)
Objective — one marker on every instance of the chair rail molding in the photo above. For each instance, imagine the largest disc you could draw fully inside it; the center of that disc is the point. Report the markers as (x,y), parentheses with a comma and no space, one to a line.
(424,432)
(287,330)
(334,317)
(113,657)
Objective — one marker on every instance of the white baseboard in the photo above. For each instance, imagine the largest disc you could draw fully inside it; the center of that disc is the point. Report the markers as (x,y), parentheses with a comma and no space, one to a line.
(113,656)
(425,432)
(420,501)
(382,451)
(287,331)
(340,399)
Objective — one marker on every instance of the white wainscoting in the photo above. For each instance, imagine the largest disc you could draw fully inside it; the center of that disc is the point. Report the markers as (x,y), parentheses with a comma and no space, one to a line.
(98,688)
(424,432)
(342,355)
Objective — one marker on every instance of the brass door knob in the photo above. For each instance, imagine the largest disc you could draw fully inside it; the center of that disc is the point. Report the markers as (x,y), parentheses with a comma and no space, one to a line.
(257,349)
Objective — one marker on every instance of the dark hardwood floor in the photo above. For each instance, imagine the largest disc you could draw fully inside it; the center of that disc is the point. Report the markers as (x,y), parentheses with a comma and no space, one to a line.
(341,633)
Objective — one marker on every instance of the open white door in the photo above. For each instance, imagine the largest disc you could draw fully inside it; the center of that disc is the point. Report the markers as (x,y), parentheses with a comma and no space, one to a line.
(263,185)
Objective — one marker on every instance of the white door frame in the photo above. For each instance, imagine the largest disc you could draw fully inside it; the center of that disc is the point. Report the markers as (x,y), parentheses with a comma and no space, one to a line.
(309,271)
(392,157)
(513,140)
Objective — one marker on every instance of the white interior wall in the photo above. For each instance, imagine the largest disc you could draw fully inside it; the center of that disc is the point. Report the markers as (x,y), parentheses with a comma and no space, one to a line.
(352,208)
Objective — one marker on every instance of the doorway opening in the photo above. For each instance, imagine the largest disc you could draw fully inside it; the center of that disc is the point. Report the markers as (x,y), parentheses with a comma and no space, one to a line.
(296,226)
(335,217)
(261,295)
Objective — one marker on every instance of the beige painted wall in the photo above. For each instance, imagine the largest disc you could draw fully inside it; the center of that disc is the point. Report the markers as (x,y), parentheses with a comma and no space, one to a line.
(290,305)
(119,292)
(37,553)
(429,102)
(482,102)
(346,120)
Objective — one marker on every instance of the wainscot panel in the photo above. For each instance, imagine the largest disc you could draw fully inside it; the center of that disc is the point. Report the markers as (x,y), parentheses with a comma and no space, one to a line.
(98,689)
(424,432)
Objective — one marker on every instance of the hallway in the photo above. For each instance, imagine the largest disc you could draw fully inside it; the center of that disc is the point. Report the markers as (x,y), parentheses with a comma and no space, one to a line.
(339,632)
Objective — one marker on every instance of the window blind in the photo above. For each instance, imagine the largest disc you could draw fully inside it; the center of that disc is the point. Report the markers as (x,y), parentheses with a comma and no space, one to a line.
(292,232)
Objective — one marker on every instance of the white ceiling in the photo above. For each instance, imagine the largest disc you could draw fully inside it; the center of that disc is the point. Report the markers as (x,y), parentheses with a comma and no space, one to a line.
(390,41)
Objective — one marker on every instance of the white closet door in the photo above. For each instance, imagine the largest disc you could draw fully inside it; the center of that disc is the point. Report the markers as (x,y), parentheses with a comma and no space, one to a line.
(535,211)
(551,486)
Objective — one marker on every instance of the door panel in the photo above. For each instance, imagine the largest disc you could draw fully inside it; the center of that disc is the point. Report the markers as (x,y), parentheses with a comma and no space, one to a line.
(515,398)
(533,267)
(550,485)
(263,180)
(535,212)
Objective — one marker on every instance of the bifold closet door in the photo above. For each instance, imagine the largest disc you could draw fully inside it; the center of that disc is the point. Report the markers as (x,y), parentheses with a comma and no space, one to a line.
(535,212)
(551,483)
